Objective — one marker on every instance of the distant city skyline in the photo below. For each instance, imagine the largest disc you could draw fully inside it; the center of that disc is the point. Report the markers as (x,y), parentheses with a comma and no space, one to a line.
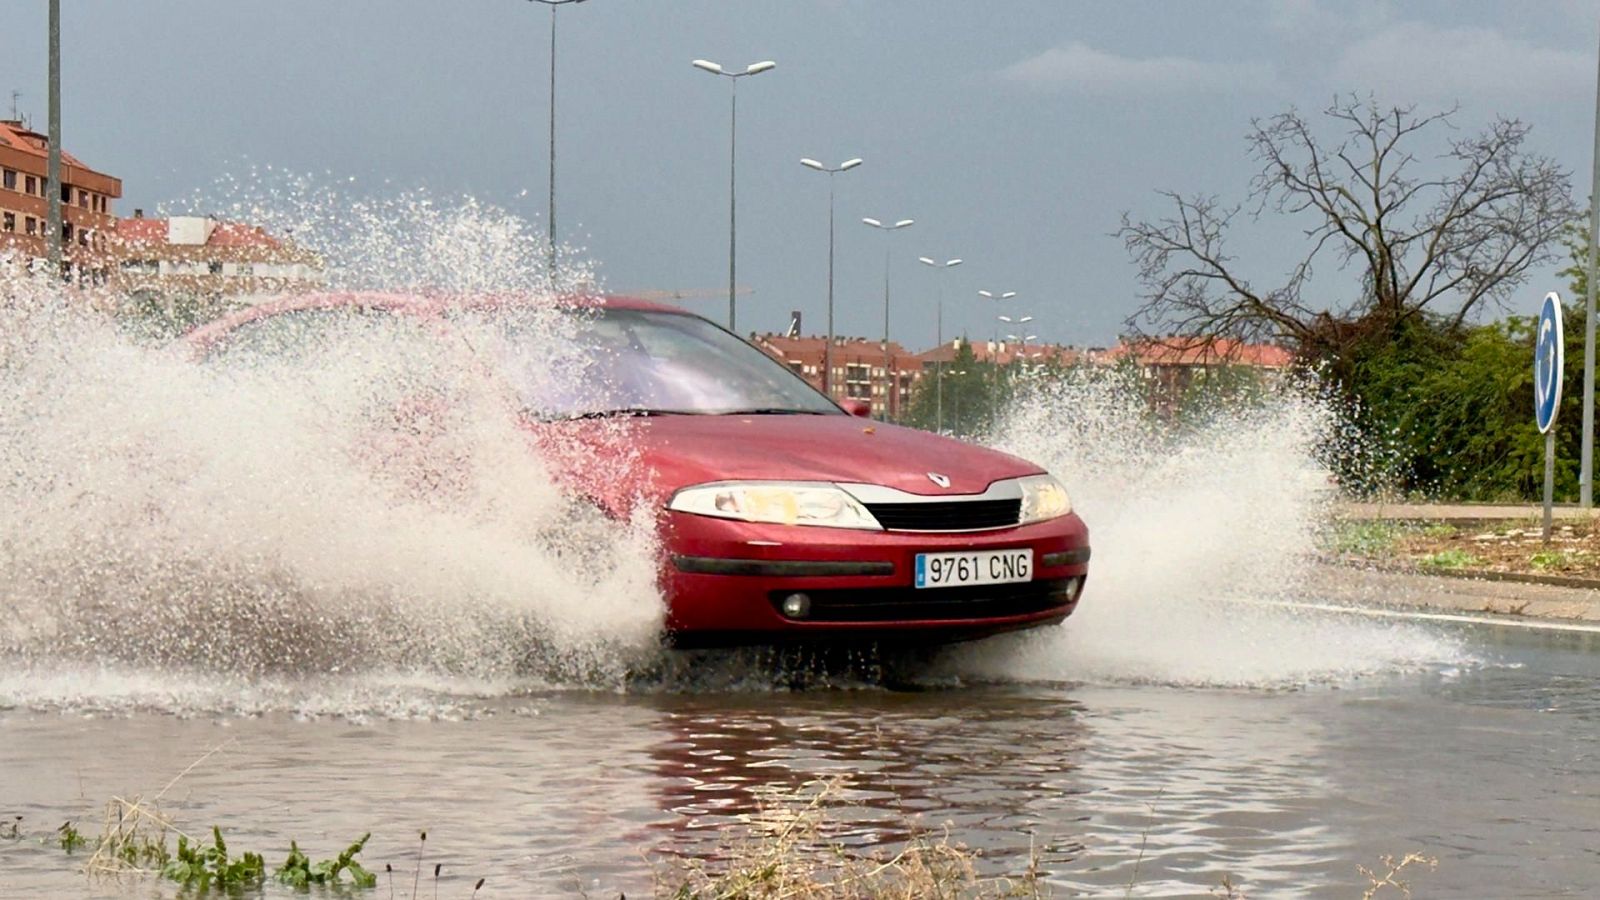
(1015,134)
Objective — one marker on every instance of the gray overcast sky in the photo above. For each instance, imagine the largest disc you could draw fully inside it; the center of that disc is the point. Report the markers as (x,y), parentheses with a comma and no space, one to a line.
(1014,132)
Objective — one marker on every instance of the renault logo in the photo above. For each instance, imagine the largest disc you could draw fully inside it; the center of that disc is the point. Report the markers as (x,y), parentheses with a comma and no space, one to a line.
(941,480)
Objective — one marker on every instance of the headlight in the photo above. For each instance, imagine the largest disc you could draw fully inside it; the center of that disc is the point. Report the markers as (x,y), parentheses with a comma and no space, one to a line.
(1043,497)
(777,502)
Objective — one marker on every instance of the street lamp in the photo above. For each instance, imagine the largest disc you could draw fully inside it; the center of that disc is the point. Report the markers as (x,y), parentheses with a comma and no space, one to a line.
(994,389)
(733,151)
(553,4)
(1022,345)
(827,352)
(938,361)
(53,160)
(891,392)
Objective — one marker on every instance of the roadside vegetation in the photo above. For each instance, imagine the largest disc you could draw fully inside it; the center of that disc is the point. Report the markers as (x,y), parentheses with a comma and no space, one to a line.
(788,849)
(1513,547)
(1420,232)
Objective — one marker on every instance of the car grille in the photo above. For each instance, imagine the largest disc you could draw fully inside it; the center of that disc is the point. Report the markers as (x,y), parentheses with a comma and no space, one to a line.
(933,604)
(947,515)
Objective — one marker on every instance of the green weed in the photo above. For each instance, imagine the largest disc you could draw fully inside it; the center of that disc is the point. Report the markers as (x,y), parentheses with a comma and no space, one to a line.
(1450,559)
(298,871)
(1366,537)
(1558,560)
(1438,530)
(69,838)
(199,866)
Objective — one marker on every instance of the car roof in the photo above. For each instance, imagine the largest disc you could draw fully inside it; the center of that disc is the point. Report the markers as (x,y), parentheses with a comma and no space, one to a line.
(413,303)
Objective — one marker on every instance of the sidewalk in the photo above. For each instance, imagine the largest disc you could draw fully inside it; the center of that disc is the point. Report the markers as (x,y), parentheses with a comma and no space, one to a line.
(1366,587)
(1459,512)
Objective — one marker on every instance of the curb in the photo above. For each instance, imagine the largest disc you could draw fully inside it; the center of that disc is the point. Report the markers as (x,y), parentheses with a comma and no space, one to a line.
(1567,581)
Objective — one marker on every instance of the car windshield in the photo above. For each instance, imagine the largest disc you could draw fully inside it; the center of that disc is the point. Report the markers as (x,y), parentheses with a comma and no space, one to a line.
(638,362)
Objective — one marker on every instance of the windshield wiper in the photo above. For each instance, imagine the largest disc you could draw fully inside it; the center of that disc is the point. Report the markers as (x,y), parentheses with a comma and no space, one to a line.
(772,411)
(626,412)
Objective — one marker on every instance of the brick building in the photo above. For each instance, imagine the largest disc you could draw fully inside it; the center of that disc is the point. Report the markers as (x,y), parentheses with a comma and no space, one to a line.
(858,368)
(1171,366)
(205,264)
(87,220)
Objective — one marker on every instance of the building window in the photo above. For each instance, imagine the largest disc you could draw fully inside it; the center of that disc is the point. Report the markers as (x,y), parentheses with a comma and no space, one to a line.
(31,225)
(10,179)
(66,194)
(9,222)
(30,185)
(83,199)
(66,232)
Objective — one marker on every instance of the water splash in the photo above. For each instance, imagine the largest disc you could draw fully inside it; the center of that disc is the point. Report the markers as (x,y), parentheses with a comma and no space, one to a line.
(1186,522)
(176,536)
(206,522)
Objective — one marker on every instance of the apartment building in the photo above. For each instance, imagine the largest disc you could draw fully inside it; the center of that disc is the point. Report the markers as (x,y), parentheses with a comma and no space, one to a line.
(87,219)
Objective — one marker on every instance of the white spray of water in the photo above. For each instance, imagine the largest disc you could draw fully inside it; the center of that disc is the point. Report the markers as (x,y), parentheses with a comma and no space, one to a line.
(1184,523)
(199,538)
(261,520)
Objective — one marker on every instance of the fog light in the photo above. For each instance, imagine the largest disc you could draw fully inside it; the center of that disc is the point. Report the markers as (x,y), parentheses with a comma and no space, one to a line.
(797,606)
(1073,587)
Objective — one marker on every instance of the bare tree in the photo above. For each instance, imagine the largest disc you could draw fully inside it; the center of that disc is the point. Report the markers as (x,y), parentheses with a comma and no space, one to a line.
(1440,237)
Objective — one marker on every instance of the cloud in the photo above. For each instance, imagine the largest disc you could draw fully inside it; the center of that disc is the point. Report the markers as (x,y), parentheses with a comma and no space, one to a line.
(1083,69)
(1311,20)
(1412,60)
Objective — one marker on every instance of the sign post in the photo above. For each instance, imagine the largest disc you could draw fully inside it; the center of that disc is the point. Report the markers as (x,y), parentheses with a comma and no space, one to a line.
(1548,362)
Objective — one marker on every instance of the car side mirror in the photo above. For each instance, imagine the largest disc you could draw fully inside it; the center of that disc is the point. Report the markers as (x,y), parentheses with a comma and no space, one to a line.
(861,409)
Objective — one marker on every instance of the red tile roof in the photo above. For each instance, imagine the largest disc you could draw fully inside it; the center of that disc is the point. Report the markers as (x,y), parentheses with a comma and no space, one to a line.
(14,135)
(225,234)
(1177,351)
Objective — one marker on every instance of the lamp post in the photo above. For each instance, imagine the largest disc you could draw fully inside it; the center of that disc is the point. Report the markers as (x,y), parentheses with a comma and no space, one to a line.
(552,218)
(53,163)
(938,361)
(994,387)
(1022,346)
(958,373)
(707,65)
(892,389)
(827,352)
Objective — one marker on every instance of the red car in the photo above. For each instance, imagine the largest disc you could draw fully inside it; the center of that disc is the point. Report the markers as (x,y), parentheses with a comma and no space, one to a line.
(782,515)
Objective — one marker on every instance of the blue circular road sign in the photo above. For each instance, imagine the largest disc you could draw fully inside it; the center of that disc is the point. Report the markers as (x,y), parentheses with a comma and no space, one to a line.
(1548,359)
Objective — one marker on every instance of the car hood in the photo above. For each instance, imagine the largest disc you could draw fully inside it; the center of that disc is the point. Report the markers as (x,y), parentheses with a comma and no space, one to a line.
(682,450)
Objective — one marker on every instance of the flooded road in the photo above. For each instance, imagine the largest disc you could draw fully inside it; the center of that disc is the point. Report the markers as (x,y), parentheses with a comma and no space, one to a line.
(1489,765)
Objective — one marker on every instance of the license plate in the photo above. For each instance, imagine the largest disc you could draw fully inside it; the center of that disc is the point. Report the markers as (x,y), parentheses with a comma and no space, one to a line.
(937,570)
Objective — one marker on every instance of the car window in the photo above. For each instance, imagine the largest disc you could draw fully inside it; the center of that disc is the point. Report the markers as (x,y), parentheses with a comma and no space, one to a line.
(306,336)
(620,359)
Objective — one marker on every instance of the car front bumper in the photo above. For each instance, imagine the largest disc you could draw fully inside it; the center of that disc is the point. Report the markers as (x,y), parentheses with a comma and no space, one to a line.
(725,582)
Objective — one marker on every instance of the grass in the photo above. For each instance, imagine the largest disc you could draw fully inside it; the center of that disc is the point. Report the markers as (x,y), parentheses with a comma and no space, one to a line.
(1365,537)
(786,852)
(1559,560)
(1386,875)
(69,838)
(1450,559)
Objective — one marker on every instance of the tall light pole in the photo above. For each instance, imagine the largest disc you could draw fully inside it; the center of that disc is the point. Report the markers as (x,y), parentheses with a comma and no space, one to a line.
(553,4)
(53,166)
(733,157)
(1586,459)
(892,389)
(994,386)
(827,352)
(938,361)
(1023,346)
